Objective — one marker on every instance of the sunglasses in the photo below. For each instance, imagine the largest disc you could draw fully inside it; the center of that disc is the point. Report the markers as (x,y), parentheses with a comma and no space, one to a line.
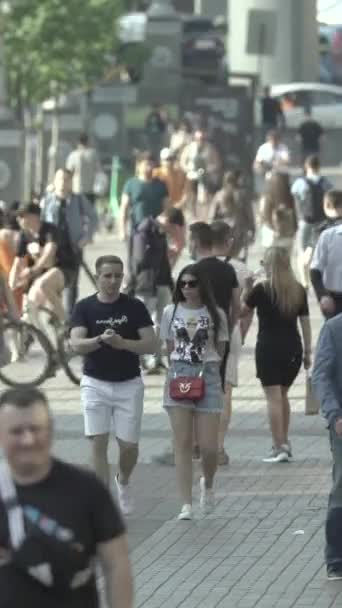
(191,284)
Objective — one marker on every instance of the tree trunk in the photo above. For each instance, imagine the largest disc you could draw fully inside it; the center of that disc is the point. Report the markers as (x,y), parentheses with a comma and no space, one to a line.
(39,168)
(53,152)
(27,155)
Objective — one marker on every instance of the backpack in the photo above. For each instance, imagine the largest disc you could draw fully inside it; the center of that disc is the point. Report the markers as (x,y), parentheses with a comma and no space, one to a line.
(313,211)
(148,257)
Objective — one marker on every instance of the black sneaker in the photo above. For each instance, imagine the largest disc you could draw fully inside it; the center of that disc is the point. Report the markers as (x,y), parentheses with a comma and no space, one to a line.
(334,574)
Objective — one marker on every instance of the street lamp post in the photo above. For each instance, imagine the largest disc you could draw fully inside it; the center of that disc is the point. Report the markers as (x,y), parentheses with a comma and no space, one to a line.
(162,74)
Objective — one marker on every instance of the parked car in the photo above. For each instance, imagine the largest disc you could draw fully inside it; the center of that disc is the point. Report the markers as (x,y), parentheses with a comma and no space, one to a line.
(325,102)
(202,47)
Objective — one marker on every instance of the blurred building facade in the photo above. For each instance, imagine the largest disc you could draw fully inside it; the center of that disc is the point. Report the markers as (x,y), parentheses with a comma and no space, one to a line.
(275,39)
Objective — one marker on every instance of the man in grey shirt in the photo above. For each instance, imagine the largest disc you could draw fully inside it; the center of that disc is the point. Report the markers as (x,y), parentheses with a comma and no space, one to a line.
(76,221)
(326,265)
(308,192)
(327,384)
(84,164)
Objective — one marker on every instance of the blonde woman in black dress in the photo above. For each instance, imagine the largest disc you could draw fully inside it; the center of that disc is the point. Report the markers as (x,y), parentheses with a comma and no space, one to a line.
(280,301)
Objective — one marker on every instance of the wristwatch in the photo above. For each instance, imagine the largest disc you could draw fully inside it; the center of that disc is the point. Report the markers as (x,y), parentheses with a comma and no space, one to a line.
(100,341)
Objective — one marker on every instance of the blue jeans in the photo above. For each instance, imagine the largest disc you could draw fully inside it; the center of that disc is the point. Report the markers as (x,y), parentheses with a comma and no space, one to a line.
(333,530)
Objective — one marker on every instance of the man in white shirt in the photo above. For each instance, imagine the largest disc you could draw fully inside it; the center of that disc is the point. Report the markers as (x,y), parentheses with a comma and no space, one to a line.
(272,155)
(84,165)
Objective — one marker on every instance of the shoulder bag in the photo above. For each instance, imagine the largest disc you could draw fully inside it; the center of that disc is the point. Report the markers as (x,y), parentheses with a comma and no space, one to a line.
(188,388)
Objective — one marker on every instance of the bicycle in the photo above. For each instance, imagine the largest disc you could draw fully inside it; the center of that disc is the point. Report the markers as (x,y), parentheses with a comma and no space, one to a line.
(36,353)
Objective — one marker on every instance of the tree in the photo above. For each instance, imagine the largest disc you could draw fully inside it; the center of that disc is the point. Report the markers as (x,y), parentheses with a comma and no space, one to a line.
(64,43)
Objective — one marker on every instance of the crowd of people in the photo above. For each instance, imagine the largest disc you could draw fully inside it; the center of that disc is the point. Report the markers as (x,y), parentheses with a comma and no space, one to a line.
(188,323)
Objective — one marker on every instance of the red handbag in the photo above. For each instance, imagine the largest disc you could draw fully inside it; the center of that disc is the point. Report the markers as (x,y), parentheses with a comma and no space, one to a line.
(187,388)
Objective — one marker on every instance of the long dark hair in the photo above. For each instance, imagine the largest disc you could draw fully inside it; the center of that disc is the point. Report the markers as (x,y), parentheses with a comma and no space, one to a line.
(205,291)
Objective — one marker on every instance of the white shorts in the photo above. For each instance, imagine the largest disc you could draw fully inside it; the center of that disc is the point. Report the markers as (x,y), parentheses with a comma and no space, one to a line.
(117,404)
(232,365)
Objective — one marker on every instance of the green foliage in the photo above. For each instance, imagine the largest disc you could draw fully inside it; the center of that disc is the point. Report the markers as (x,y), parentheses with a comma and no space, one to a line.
(57,44)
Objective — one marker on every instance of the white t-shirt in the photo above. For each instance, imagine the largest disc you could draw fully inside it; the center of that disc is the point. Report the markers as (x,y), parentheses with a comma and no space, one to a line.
(192,331)
(275,157)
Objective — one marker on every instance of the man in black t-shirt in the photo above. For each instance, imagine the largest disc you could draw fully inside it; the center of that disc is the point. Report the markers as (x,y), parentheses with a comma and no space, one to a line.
(54,519)
(35,264)
(271,112)
(222,278)
(310,133)
(156,126)
(112,330)
(221,275)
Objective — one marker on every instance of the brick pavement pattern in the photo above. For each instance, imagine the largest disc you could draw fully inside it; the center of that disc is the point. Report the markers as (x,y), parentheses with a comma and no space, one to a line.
(262,547)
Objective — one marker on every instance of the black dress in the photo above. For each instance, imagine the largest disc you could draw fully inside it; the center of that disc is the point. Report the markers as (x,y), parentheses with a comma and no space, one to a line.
(279,350)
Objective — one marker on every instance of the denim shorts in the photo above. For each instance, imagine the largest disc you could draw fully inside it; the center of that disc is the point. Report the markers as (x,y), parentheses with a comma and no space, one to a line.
(212,402)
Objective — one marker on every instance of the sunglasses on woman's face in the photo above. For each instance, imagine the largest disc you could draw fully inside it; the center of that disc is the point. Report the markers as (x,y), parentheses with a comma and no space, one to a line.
(191,284)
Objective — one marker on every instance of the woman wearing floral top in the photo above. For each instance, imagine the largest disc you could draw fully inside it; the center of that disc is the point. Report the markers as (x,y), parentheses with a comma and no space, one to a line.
(195,331)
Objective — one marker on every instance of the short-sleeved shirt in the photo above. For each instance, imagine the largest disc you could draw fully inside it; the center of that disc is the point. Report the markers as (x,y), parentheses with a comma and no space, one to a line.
(71,505)
(84,163)
(274,326)
(222,279)
(125,316)
(269,155)
(192,331)
(146,198)
(271,110)
(155,124)
(327,258)
(301,191)
(30,245)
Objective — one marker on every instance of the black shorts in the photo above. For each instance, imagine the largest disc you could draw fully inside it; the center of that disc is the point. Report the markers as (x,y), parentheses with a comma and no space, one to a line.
(280,367)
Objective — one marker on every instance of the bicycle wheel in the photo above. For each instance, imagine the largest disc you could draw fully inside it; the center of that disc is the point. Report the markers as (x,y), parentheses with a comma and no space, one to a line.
(30,357)
(45,321)
(71,361)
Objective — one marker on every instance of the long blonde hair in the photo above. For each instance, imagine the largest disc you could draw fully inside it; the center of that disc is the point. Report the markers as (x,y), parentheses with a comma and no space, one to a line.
(286,291)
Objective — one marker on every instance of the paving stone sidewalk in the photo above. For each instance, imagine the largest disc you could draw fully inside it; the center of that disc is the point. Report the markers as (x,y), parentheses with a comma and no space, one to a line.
(263,545)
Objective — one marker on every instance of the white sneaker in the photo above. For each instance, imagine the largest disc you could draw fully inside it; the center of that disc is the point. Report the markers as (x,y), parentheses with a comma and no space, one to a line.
(186,513)
(277,455)
(124,497)
(287,447)
(207,497)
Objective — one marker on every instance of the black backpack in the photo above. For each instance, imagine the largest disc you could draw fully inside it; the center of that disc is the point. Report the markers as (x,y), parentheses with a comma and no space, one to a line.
(149,257)
(313,211)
